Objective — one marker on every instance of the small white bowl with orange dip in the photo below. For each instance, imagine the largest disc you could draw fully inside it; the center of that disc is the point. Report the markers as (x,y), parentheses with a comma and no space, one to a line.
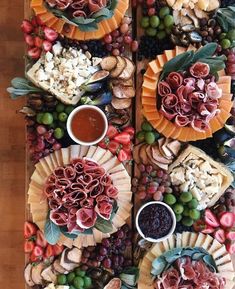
(87,125)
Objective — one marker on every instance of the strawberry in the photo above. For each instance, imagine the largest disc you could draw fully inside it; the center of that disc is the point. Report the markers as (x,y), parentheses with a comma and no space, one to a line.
(122,155)
(39,21)
(211,219)
(33,258)
(230,247)
(130,130)
(227,219)
(34,53)
(199,225)
(40,239)
(38,41)
(49,252)
(208,230)
(123,138)
(38,251)
(47,45)
(127,148)
(50,34)
(34,21)
(111,132)
(57,249)
(230,235)
(30,229)
(219,235)
(28,246)
(113,147)
(26,26)
(103,144)
(29,39)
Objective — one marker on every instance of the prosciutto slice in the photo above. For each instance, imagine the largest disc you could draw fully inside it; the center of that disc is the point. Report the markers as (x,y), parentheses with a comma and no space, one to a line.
(78,192)
(164,88)
(174,79)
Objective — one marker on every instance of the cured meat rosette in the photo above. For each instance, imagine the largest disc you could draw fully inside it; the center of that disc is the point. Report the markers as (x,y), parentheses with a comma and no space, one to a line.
(78,194)
(190,98)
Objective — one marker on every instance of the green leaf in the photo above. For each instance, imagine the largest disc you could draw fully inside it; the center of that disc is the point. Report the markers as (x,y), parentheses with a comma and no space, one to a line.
(52,232)
(88,27)
(210,262)
(180,62)
(172,255)
(113,5)
(105,226)
(105,12)
(216,63)
(158,265)
(223,23)
(64,231)
(205,51)
(82,20)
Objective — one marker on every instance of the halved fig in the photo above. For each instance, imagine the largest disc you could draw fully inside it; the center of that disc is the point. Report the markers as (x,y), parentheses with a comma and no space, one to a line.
(121,65)
(36,273)
(121,91)
(58,268)
(98,76)
(118,103)
(129,70)
(158,156)
(49,275)
(74,255)
(28,275)
(115,283)
(108,63)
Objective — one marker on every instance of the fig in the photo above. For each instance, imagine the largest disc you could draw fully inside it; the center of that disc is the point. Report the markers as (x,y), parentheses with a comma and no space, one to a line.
(230,143)
(115,283)
(200,70)
(93,87)
(98,76)
(230,129)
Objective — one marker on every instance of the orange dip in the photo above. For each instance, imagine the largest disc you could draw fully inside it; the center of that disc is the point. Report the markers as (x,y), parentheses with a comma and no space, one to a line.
(87,125)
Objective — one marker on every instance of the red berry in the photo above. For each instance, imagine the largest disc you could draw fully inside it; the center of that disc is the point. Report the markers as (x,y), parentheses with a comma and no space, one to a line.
(108,38)
(122,155)
(142,195)
(38,41)
(115,52)
(26,26)
(111,132)
(219,235)
(30,229)
(57,249)
(113,147)
(130,130)
(39,21)
(34,21)
(115,33)
(50,34)
(150,2)
(34,53)
(211,219)
(49,252)
(38,251)
(127,39)
(28,246)
(151,11)
(29,39)
(47,45)
(123,138)
(230,248)
(40,239)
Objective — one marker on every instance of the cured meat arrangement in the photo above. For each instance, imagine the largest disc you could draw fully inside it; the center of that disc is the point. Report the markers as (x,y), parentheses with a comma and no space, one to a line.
(130,121)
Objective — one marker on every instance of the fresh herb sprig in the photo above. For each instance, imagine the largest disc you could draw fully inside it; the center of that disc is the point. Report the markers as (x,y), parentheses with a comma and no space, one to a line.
(226,18)
(205,54)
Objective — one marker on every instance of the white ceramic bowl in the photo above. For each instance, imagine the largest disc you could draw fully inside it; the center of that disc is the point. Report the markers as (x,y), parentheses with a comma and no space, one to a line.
(70,118)
(164,237)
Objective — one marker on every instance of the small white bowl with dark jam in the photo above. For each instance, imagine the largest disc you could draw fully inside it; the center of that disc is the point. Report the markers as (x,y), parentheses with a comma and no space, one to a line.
(87,125)
(155,221)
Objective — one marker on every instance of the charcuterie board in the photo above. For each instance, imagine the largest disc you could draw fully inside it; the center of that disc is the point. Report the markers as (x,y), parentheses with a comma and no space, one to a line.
(130,131)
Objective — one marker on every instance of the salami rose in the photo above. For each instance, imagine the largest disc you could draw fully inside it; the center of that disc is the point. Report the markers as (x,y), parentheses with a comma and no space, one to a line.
(170,100)
(181,120)
(168,112)
(104,210)
(59,218)
(200,70)
(96,5)
(164,88)
(79,4)
(213,91)
(175,80)
(79,13)
(86,218)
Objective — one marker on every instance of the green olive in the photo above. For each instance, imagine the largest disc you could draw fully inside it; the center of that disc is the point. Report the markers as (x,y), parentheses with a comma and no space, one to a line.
(69,109)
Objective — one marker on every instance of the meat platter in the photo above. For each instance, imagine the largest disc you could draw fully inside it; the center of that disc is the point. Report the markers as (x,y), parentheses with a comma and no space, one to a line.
(130,137)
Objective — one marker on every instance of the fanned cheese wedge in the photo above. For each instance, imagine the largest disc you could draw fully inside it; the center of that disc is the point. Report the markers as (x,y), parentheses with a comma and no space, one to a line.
(107,156)
(37,178)
(120,175)
(215,246)
(54,160)
(226,267)
(192,239)
(178,240)
(223,259)
(59,158)
(83,151)
(207,242)
(165,245)
(50,164)
(116,169)
(171,241)
(99,153)
(74,152)
(111,163)
(220,252)
(65,152)
(41,170)
(91,152)
(45,166)
(200,240)
(185,239)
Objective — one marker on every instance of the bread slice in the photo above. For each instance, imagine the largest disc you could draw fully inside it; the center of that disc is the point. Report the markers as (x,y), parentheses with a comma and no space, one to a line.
(121,65)
(121,91)
(109,63)
(128,82)
(129,70)
(119,103)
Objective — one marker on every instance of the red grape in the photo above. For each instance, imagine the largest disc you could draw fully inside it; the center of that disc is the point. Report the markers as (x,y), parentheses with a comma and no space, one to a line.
(127,39)
(116,52)
(108,38)
(107,263)
(151,11)
(150,2)
(115,33)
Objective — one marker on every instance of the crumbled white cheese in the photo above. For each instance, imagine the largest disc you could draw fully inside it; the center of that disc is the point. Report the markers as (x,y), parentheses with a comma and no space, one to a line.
(50,286)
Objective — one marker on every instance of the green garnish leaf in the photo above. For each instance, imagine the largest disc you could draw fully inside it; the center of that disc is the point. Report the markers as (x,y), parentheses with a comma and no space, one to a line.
(52,232)
(104,226)
(206,51)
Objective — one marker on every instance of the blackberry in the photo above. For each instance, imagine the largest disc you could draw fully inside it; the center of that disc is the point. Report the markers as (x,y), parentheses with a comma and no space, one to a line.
(180,228)
(225,3)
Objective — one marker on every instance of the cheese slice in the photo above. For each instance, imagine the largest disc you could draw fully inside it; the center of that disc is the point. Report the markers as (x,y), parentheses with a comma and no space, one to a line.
(118,221)
(107,156)
(156,250)
(111,163)
(229,275)
(59,158)
(98,235)
(90,152)
(45,166)
(229,284)
(200,240)
(54,160)
(215,246)
(226,267)
(65,152)
(41,170)
(98,154)
(185,239)
(171,242)
(178,241)
(126,196)
(207,242)
(220,252)
(225,259)
(83,151)
(116,169)
(192,239)
(124,188)
(165,245)
(120,175)
(37,178)
(74,152)
(49,163)
(150,256)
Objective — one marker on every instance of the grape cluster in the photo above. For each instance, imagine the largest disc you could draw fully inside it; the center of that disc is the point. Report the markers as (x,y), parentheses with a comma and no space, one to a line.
(226,202)
(111,253)
(151,184)
(40,140)
(117,40)
(230,67)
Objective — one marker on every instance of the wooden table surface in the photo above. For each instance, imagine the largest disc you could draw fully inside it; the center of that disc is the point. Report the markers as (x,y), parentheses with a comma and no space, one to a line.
(12,148)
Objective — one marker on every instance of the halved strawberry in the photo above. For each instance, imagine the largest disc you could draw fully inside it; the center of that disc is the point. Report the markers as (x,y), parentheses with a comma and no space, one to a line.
(29,39)
(130,130)
(30,229)
(230,247)
(123,138)
(111,132)
(33,258)
(227,219)
(128,147)
(39,21)
(113,147)
(49,252)
(34,53)
(50,34)
(38,41)
(219,235)
(208,229)
(40,239)
(34,21)
(199,225)
(103,144)
(46,45)
(38,251)
(28,246)
(57,249)
(230,235)
(122,155)
(211,219)
(26,26)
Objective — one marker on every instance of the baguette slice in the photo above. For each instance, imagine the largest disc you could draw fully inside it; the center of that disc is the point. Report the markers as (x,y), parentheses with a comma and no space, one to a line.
(118,103)
(109,63)
(129,70)
(121,91)
(121,65)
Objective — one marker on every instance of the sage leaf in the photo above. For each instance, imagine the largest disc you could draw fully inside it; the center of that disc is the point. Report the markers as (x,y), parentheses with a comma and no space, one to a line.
(205,51)
(52,232)
(104,226)
(158,265)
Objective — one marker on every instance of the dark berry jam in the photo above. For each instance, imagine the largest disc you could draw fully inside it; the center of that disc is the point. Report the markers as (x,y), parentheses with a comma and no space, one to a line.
(155,221)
